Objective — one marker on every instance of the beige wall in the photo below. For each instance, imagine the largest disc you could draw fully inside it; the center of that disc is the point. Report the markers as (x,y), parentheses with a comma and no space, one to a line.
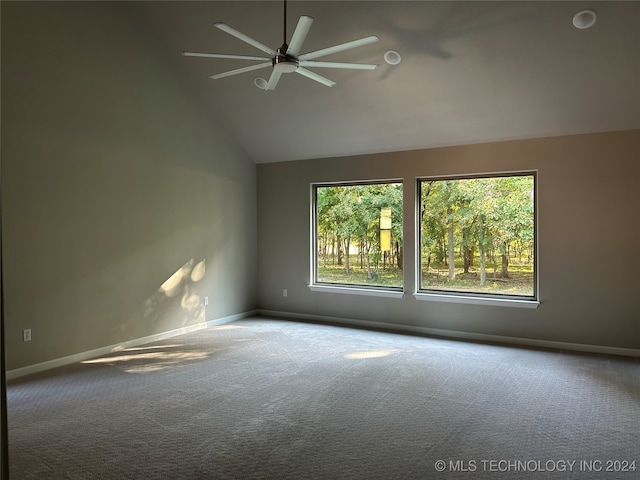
(589,227)
(114,178)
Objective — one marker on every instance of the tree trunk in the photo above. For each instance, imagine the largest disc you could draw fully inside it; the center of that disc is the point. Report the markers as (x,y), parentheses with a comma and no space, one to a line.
(347,242)
(333,250)
(483,269)
(467,250)
(339,242)
(325,247)
(450,245)
(465,258)
(504,273)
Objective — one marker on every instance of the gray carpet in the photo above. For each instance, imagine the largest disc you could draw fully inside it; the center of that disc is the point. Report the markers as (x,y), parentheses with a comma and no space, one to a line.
(270,399)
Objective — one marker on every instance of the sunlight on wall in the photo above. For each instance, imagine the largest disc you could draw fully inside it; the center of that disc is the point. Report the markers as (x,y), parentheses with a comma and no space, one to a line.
(177,302)
(171,286)
(369,354)
(198,272)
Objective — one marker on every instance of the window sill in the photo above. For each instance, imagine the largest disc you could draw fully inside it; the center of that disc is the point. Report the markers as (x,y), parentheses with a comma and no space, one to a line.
(372,292)
(472,300)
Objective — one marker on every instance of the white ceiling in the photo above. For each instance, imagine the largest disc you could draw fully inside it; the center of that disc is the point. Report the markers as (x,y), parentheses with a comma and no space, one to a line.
(471,72)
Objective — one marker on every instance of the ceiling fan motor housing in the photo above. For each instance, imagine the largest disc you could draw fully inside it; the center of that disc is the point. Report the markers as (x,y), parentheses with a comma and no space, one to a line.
(284,63)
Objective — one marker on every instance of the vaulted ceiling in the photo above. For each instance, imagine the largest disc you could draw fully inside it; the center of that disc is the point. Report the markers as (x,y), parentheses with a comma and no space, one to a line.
(471,72)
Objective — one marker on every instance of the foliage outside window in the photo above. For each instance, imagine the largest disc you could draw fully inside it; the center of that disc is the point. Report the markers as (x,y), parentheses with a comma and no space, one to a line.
(477,235)
(358,234)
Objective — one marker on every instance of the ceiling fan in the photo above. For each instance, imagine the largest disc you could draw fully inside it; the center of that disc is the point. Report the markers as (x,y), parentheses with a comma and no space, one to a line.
(287,58)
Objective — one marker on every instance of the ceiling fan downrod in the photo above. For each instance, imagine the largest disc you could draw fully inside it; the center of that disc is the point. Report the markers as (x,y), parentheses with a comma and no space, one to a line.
(284,27)
(282,62)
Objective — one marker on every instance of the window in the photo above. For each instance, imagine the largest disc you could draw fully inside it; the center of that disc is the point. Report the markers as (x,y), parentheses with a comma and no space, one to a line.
(358,235)
(477,236)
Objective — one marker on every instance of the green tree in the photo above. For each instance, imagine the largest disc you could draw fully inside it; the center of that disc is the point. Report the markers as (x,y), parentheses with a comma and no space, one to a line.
(350,214)
(490,214)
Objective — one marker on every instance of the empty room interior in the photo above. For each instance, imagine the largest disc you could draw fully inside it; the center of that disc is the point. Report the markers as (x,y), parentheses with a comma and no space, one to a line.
(317,239)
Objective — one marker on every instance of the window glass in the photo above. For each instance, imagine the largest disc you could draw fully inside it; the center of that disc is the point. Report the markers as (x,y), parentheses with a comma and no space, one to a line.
(358,234)
(477,235)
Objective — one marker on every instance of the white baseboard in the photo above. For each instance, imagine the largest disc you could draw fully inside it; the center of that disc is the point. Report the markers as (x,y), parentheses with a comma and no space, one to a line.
(479,337)
(79,357)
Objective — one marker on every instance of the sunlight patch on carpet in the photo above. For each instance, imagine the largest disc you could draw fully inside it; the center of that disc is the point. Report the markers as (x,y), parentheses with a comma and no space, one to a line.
(149,361)
(370,354)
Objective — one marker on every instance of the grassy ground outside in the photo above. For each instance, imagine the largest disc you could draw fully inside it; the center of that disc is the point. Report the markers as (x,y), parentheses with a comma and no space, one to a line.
(520,280)
(334,273)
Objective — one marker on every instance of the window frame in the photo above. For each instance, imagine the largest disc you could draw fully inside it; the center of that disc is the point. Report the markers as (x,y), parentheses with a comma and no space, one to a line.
(470,297)
(347,288)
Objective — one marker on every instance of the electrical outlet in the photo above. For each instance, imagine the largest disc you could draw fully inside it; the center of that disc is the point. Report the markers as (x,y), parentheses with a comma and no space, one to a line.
(26,335)
(206,300)
(284,292)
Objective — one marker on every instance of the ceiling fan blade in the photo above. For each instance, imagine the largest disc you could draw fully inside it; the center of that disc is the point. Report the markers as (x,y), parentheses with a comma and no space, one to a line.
(245,38)
(299,35)
(241,70)
(339,48)
(315,76)
(273,80)
(223,55)
(355,66)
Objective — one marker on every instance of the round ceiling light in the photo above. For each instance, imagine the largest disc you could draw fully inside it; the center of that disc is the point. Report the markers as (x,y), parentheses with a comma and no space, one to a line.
(584,19)
(259,82)
(392,57)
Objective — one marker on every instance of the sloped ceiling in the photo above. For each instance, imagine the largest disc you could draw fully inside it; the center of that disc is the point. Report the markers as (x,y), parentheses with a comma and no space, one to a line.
(471,72)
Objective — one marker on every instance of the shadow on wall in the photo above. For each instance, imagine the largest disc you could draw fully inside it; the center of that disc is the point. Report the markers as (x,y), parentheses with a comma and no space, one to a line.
(177,303)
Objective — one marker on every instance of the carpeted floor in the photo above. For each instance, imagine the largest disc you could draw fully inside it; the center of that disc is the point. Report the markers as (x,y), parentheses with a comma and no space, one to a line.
(269,399)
